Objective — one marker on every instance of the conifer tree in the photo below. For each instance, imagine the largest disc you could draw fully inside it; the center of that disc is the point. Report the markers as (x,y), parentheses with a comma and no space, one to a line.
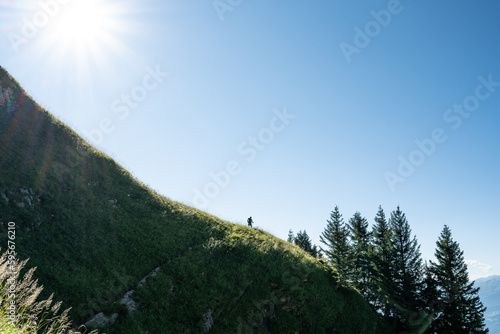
(431,304)
(361,249)
(316,252)
(407,272)
(338,250)
(462,311)
(382,262)
(303,241)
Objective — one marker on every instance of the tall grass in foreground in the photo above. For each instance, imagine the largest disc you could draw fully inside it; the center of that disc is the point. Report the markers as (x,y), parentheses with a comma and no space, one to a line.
(20,311)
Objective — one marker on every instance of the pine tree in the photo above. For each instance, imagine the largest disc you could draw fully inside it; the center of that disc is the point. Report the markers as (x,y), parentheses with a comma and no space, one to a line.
(303,241)
(338,251)
(407,273)
(383,263)
(361,248)
(431,304)
(462,311)
(316,252)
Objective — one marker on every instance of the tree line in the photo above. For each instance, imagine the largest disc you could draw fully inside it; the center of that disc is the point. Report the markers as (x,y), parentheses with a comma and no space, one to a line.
(385,265)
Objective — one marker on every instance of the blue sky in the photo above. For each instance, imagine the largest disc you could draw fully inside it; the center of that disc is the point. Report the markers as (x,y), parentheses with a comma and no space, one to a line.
(292,107)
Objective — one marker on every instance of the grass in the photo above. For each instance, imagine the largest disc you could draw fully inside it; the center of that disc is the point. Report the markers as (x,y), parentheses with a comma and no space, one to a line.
(249,279)
(94,231)
(21,311)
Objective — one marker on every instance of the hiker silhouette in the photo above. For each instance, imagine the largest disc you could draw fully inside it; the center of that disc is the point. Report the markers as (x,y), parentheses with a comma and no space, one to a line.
(250,222)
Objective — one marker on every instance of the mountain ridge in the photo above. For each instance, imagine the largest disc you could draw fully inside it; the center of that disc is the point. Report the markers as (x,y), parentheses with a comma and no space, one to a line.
(489,293)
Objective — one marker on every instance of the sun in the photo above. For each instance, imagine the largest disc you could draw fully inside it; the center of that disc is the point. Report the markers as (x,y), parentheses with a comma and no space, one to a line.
(85,24)
(86,32)
(83,21)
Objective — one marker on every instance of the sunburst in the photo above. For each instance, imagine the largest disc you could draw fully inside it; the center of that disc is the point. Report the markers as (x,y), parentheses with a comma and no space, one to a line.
(86,28)
(85,33)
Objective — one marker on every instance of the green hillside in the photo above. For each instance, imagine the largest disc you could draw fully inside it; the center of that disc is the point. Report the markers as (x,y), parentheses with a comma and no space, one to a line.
(94,232)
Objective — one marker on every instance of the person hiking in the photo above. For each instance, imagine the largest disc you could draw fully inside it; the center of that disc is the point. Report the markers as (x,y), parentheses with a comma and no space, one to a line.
(250,222)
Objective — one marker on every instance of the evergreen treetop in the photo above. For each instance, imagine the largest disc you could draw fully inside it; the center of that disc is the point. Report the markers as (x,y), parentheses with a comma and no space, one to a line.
(338,250)
(382,263)
(407,272)
(361,251)
(462,311)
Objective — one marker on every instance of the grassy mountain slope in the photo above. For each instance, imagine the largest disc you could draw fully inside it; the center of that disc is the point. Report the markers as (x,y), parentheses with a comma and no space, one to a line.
(94,231)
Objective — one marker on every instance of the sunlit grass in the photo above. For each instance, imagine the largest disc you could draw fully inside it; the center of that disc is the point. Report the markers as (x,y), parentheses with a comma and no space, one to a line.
(21,310)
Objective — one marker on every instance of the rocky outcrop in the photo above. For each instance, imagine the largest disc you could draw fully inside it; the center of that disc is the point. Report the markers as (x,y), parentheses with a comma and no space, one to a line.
(22,198)
(100,320)
(151,274)
(209,321)
(7,99)
(127,300)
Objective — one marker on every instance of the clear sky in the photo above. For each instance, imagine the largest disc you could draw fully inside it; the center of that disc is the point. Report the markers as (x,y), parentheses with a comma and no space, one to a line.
(281,110)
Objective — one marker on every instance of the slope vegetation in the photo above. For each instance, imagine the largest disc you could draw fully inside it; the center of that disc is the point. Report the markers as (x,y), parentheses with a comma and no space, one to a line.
(93,232)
